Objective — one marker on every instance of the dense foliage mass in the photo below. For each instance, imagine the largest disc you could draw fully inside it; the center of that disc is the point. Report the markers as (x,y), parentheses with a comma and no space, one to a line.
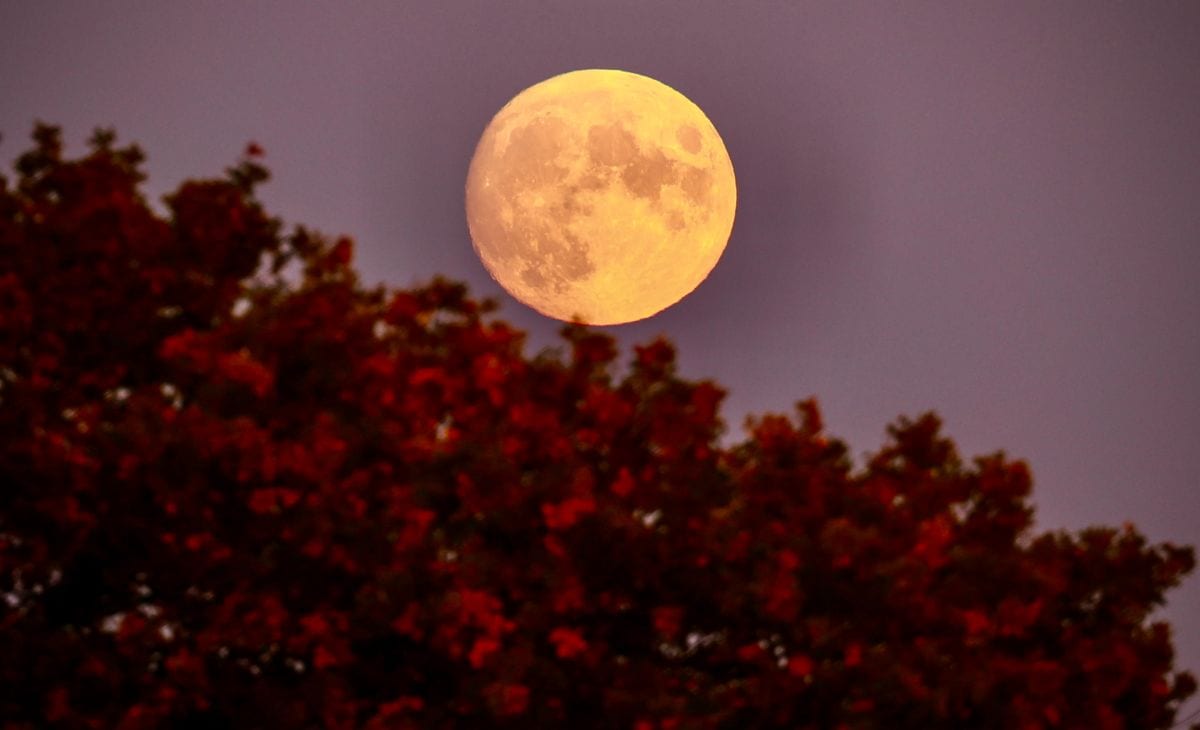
(238,489)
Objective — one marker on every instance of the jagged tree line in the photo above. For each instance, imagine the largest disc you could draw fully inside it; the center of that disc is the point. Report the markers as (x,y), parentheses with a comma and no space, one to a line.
(233,498)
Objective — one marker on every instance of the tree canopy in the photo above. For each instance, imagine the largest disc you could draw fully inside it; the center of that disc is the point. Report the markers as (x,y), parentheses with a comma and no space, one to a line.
(240,489)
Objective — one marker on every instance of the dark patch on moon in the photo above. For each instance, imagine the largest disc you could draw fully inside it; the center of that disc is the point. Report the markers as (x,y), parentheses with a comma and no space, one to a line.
(570,205)
(565,258)
(531,158)
(648,173)
(689,137)
(696,184)
(644,171)
(554,261)
(530,187)
(592,180)
(609,144)
(532,276)
(535,243)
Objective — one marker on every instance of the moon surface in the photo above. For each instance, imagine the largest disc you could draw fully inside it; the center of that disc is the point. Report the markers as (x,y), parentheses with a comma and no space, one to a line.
(600,196)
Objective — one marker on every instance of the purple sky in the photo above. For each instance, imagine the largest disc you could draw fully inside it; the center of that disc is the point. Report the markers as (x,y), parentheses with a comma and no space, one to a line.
(988,210)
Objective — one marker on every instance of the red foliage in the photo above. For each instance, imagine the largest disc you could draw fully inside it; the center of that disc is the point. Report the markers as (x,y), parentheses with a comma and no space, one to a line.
(234,496)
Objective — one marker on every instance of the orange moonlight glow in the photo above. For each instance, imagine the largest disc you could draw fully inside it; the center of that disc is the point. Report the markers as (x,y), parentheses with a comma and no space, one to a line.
(600,196)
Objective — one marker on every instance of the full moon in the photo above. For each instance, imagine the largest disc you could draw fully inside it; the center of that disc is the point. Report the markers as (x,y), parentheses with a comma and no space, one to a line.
(600,196)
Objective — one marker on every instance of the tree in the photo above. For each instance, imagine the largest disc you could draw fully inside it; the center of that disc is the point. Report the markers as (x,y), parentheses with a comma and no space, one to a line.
(241,490)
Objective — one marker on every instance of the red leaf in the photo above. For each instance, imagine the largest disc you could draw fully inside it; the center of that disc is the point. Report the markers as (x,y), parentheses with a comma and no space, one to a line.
(567,642)
(343,252)
(565,514)
(668,620)
(853,655)
(624,484)
(508,699)
(800,666)
(272,499)
(323,659)
(750,653)
(483,647)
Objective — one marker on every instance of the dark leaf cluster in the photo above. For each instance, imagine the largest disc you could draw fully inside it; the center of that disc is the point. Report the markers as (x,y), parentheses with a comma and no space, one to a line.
(239,489)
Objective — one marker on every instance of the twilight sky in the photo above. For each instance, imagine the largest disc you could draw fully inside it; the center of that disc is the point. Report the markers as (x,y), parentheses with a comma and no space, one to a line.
(991,210)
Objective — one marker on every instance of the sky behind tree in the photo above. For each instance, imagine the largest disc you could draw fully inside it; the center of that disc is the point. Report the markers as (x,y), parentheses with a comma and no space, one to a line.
(988,211)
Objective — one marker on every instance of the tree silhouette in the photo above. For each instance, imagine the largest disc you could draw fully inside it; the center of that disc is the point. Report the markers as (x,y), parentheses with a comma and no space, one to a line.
(239,489)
